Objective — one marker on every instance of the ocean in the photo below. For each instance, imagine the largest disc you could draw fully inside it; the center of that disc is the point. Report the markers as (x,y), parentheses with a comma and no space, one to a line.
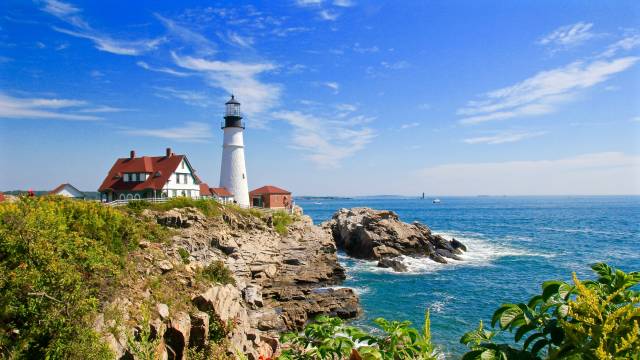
(514,243)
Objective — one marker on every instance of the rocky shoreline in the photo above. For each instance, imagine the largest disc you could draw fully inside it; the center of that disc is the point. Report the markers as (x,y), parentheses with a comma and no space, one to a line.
(280,281)
(370,234)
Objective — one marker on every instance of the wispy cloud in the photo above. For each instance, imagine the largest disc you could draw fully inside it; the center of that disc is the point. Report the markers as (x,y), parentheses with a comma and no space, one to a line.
(196,42)
(409,125)
(187,96)
(635,119)
(236,78)
(349,108)
(41,108)
(309,2)
(594,174)
(238,40)
(363,49)
(543,92)
(328,15)
(325,141)
(81,29)
(344,3)
(397,65)
(568,36)
(627,43)
(103,109)
(165,70)
(503,137)
(333,86)
(189,132)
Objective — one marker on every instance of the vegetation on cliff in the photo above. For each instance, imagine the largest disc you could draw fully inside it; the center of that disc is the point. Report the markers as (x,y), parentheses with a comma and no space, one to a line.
(591,319)
(58,259)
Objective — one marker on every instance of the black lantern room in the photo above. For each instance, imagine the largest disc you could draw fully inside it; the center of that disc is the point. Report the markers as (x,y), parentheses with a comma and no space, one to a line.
(232,115)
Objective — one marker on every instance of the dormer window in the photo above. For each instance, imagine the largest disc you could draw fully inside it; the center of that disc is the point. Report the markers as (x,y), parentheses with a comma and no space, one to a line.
(134,177)
(126,177)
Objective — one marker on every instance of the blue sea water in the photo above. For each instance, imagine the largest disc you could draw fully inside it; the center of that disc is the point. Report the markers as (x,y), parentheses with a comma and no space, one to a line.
(515,243)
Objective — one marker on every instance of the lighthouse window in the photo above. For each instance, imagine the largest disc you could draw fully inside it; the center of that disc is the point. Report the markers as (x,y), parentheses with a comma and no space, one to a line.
(243,176)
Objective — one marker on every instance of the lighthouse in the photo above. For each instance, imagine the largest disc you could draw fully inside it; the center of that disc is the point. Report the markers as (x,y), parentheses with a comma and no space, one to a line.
(233,172)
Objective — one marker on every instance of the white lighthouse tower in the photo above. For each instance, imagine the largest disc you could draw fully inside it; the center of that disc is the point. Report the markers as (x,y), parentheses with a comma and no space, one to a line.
(233,172)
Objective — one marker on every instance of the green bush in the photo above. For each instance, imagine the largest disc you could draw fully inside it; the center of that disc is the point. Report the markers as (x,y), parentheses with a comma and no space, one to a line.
(593,319)
(136,206)
(208,207)
(184,255)
(218,273)
(330,338)
(59,258)
(281,220)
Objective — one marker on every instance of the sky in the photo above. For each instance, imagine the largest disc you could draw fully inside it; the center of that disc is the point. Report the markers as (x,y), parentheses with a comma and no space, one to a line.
(340,97)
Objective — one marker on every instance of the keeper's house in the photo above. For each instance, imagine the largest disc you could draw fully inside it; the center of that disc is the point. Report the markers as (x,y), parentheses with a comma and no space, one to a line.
(271,197)
(220,194)
(150,177)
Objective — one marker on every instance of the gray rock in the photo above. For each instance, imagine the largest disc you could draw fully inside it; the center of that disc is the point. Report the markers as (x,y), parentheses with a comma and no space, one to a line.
(163,310)
(395,264)
(165,266)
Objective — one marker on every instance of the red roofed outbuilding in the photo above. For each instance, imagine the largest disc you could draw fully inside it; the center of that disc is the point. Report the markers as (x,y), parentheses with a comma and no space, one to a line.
(271,197)
(221,194)
(147,177)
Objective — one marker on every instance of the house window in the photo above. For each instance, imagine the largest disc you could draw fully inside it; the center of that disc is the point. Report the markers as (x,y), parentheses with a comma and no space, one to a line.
(134,177)
(177,178)
(129,196)
(126,177)
(183,164)
(121,196)
(174,193)
(183,194)
(136,196)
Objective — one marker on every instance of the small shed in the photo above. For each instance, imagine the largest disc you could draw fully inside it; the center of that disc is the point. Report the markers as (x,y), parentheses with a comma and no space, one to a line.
(68,190)
(271,197)
(221,194)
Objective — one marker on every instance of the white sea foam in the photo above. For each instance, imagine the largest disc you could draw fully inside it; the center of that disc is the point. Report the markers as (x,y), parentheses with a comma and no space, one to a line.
(357,289)
(480,253)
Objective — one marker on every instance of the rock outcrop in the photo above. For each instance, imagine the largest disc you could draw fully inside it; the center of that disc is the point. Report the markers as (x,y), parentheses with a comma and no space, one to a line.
(379,234)
(281,282)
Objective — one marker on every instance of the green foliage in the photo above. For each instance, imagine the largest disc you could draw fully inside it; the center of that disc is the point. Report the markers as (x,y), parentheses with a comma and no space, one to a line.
(594,319)
(58,259)
(281,220)
(136,206)
(184,255)
(218,273)
(330,338)
(208,207)
(144,345)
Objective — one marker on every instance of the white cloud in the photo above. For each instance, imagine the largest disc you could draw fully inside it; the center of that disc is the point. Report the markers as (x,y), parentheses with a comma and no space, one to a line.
(503,137)
(241,41)
(343,3)
(347,107)
(333,86)
(625,44)
(398,65)
(188,97)
(604,173)
(38,108)
(541,93)
(103,109)
(309,2)
(165,70)
(71,15)
(328,15)
(200,44)
(635,119)
(190,132)
(237,78)
(424,106)
(409,125)
(326,142)
(358,48)
(568,36)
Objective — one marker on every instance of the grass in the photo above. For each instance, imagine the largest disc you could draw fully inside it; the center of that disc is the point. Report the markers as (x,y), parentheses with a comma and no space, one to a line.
(217,273)
(209,207)
(281,221)
(184,255)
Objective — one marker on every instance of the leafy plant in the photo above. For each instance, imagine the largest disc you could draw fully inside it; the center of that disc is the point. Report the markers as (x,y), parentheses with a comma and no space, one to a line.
(59,258)
(184,255)
(330,338)
(218,273)
(281,220)
(209,207)
(593,319)
(144,345)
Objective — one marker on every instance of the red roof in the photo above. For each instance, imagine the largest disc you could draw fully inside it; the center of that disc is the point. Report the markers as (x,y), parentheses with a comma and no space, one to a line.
(220,191)
(159,169)
(1,197)
(204,189)
(269,189)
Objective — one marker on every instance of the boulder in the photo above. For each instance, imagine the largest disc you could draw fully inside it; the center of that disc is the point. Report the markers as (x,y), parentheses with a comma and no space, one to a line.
(252,296)
(176,337)
(395,264)
(378,234)
(199,335)
(163,310)
(165,266)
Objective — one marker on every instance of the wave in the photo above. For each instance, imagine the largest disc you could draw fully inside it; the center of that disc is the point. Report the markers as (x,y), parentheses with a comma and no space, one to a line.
(586,230)
(481,253)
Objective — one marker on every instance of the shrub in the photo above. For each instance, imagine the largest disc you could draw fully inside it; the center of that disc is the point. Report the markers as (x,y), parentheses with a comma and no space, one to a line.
(208,207)
(281,220)
(593,319)
(184,255)
(329,338)
(136,206)
(58,259)
(218,273)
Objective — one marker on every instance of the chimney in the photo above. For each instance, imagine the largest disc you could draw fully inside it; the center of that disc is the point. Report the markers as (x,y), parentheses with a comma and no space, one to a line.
(132,154)
(169,153)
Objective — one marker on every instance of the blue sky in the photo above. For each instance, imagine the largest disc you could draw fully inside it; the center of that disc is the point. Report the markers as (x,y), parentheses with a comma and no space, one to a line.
(342,97)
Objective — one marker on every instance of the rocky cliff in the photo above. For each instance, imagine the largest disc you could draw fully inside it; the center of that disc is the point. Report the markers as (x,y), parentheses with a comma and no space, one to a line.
(279,282)
(379,234)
